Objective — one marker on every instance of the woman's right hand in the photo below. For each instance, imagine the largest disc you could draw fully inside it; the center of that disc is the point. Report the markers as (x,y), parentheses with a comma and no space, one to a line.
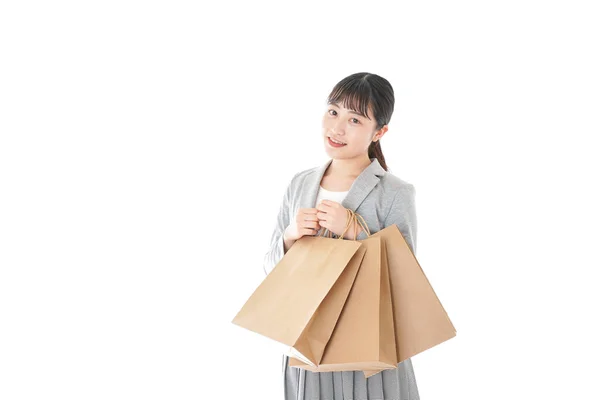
(305,223)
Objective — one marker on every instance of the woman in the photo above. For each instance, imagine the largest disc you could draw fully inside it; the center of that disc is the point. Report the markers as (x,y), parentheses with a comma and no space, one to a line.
(356,177)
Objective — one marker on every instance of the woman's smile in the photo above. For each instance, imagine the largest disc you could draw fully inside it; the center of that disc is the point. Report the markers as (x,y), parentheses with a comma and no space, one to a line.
(334,144)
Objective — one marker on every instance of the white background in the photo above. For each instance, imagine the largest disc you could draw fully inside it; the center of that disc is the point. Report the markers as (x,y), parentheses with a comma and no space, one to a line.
(145,148)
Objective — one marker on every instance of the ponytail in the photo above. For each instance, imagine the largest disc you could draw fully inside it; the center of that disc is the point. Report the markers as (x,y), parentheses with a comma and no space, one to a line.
(375,152)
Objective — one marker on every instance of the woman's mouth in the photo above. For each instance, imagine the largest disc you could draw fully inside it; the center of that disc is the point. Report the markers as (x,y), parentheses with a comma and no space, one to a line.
(334,144)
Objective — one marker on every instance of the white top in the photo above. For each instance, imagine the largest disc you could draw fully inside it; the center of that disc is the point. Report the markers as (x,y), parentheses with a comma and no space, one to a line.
(329,195)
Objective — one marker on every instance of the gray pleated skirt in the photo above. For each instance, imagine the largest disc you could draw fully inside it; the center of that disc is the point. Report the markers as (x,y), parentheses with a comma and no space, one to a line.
(390,384)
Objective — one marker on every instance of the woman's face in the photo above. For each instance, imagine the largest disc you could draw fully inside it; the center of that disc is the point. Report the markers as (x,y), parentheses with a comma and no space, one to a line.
(347,126)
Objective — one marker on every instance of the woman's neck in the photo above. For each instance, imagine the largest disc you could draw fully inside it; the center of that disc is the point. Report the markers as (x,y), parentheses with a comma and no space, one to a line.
(347,168)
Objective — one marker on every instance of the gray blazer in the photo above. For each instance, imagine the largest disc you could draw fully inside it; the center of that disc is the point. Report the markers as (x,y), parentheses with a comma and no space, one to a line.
(380,197)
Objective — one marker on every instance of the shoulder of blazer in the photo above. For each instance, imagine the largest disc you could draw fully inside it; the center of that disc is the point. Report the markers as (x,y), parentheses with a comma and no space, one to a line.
(299,176)
(393,181)
(394,185)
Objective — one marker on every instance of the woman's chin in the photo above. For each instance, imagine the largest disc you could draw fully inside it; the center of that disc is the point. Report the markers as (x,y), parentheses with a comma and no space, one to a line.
(332,151)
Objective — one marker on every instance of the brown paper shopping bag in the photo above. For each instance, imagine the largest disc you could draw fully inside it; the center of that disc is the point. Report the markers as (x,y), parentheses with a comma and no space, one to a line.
(299,302)
(363,338)
(420,320)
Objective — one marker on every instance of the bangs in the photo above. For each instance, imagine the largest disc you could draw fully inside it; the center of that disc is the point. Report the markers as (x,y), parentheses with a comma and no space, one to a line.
(354,95)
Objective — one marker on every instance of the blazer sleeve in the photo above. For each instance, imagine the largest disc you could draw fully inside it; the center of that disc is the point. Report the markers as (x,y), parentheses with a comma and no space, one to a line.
(403,214)
(276,251)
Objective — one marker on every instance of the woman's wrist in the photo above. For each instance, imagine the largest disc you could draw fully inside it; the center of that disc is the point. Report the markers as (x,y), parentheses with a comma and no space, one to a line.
(287,243)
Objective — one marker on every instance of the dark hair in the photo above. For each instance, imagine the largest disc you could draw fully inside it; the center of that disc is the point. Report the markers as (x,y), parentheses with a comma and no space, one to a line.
(357,92)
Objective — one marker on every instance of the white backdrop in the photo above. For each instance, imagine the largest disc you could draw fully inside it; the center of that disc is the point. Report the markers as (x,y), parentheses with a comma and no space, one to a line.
(145,148)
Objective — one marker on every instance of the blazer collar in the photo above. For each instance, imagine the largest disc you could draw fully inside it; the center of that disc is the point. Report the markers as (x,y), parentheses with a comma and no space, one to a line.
(359,190)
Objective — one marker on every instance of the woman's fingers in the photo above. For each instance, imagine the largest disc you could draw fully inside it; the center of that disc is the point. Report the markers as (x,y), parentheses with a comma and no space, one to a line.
(307,222)
(311,224)
(308,232)
(321,215)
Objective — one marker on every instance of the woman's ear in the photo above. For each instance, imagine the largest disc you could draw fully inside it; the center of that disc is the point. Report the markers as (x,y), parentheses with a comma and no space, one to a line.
(379,134)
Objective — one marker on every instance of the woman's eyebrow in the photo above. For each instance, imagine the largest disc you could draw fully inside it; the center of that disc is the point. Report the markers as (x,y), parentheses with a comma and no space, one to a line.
(350,111)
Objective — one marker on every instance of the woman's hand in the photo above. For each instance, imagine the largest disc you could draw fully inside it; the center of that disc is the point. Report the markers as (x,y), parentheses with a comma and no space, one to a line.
(305,223)
(334,216)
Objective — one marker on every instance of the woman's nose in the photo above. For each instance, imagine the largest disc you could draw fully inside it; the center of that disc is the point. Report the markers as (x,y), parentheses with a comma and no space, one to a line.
(338,127)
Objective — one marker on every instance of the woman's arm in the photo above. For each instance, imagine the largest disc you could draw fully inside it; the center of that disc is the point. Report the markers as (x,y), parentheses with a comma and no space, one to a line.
(403,214)
(278,247)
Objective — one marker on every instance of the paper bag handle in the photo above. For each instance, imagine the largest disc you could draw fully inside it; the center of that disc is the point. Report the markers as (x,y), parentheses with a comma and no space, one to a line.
(360,220)
(357,219)
(348,222)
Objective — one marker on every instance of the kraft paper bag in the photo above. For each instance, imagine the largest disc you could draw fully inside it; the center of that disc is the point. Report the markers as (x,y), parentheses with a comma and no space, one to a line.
(320,328)
(299,302)
(363,338)
(420,320)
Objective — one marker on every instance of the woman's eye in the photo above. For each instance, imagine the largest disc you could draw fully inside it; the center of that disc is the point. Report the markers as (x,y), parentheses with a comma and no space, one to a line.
(333,112)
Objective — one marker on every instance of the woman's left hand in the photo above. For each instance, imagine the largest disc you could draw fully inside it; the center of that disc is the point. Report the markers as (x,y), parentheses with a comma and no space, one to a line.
(334,216)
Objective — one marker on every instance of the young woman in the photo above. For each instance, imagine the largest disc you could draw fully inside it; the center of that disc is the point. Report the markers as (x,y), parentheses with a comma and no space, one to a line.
(356,177)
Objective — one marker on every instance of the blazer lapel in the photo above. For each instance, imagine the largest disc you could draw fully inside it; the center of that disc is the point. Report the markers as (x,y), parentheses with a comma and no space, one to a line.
(363,185)
(311,186)
(359,190)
